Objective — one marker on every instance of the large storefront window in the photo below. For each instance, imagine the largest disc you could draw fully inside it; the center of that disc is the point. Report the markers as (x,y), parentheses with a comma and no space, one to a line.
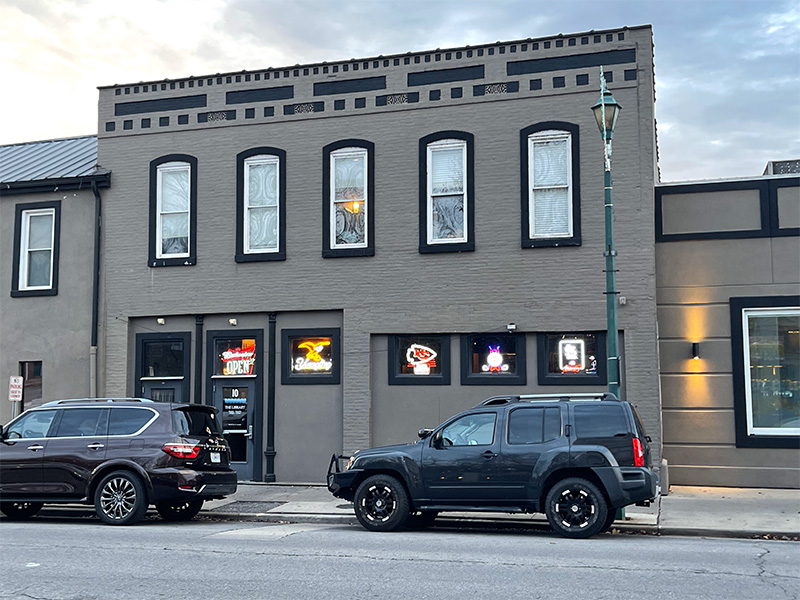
(772,367)
(419,360)
(572,358)
(765,342)
(310,356)
(493,359)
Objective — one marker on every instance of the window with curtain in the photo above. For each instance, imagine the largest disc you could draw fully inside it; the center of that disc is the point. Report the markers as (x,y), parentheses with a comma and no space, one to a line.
(36,256)
(550,184)
(261,210)
(349,183)
(173,210)
(447,190)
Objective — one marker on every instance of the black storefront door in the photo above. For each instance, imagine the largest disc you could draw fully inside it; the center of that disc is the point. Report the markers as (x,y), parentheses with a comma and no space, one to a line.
(235,399)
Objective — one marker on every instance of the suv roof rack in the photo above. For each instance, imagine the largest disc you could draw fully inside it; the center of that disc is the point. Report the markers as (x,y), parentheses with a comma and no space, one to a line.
(552,397)
(81,400)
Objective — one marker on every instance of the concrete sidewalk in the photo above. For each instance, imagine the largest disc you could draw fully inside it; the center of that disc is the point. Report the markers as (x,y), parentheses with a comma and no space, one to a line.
(698,511)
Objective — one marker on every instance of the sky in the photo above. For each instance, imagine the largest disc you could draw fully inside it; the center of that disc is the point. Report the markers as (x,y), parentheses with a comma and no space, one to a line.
(727,72)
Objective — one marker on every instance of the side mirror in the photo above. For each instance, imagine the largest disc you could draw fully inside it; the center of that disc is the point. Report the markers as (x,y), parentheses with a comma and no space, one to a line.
(437,440)
(423,433)
(1,432)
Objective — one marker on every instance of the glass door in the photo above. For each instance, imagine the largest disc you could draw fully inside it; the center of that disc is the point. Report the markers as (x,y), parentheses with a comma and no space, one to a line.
(235,399)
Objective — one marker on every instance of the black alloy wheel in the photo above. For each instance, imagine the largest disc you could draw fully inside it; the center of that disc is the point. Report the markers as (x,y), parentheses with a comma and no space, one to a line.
(120,499)
(20,510)
(381,503)
(182,510)
(575,508)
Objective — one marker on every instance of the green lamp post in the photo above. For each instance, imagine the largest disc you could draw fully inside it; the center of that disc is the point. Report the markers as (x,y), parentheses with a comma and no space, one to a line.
(606,111)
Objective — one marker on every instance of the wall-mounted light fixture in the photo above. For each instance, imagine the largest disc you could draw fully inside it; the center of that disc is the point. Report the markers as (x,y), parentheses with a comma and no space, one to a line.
(511,327)
(233,322)
(161,320)
(696,350)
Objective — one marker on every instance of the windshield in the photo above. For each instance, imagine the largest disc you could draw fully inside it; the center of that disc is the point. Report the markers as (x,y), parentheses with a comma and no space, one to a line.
(195,421)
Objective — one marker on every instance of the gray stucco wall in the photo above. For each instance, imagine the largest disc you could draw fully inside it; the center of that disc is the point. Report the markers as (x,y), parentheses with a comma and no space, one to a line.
(696,279)
(399,289)
(55,330)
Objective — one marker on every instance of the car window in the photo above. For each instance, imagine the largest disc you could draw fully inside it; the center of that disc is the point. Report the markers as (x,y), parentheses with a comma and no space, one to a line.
(195,421)
(76,422)
(470,430)
(534,425)
(599,420)
(33,425)
(127,421)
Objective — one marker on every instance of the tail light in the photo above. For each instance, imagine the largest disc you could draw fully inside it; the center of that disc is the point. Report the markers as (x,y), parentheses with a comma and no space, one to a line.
(638,453)
(181,450)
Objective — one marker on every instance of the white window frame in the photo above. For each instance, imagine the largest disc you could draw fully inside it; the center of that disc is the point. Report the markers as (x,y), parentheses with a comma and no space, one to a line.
(25,249)
(162,168)
(261,159)
(351,152)
(746,314)
(447,144)
(542,136)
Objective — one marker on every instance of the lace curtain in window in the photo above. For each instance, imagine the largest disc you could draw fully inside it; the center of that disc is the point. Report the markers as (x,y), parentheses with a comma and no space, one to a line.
(447,193)
(262,206)
(175,211)
(350,180)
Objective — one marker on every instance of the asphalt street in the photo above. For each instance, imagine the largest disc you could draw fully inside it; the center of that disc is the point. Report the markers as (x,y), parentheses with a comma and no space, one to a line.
(79,558)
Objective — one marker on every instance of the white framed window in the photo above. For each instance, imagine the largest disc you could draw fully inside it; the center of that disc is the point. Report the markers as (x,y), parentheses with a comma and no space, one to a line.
(349,190)
(447,213)
(173,210)
(261,204)
(550,204)
(771,347)
(37,240)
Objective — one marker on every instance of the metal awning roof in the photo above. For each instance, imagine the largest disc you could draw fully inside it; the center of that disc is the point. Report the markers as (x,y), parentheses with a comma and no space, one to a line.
(49,160)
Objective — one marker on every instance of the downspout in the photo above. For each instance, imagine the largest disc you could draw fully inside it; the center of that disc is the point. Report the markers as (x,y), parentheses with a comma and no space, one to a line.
(95,291)
(269,453)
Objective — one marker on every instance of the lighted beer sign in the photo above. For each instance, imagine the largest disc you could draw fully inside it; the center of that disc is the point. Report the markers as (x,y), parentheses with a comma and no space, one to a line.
(494,361)
(571,355)
(236,357)
(421,359)
(311,355)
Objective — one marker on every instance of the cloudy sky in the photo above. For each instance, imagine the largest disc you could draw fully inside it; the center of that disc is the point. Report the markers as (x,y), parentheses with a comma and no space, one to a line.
(727,72)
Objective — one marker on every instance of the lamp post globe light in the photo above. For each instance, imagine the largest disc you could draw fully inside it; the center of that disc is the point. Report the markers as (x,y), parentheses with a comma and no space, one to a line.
(606,111)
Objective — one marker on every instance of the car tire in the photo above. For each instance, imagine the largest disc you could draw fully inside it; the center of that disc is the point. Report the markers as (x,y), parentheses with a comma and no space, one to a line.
(381,503)
(20,510)
(181,510)
(120,499)
(575,508)
(610,518)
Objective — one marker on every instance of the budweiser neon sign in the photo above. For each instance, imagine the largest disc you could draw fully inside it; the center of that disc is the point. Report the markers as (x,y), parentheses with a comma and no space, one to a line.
(240,360)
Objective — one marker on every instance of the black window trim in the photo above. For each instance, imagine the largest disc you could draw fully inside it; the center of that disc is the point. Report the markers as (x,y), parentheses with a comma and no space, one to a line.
(17,254)
(546,378)
(524,134)
(241,255)
(737,306)
(518,378)
(183,336)
(327,250)
(153,260)
(393,353)
(469,245)
(332,378)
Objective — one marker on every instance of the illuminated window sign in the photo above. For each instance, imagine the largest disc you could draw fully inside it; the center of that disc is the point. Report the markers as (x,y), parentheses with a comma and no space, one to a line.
(575,357)
(235,357)
(419,359)
(489,359)
(310,356)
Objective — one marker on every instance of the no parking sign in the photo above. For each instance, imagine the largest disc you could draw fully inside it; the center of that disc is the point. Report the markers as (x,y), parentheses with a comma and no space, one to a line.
(15,388)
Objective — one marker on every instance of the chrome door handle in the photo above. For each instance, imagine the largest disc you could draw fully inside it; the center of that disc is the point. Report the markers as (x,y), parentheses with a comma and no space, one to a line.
(249,433)
(36,447)
(95,446)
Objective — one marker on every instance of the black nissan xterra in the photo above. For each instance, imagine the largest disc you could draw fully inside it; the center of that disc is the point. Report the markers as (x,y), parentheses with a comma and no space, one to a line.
(577,458)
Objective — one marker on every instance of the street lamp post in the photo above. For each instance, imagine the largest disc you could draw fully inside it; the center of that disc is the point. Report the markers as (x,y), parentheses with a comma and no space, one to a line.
(606,110)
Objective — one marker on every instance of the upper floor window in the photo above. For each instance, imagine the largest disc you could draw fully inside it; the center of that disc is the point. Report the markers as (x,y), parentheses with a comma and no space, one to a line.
(36,242)
(173,200)
(260,201)
(348,172)
(446,192)
(550,202)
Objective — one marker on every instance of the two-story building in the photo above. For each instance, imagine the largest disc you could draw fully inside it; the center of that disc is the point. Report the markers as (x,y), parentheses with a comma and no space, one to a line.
(338,254)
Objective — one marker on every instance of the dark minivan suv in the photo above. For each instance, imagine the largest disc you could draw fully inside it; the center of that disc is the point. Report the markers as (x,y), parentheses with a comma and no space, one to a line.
(119,454)
(577,458)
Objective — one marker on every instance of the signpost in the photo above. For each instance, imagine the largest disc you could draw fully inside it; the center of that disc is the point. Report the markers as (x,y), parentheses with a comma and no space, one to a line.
(15,392)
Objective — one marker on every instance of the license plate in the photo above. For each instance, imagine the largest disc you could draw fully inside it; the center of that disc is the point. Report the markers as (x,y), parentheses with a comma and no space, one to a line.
(215,457)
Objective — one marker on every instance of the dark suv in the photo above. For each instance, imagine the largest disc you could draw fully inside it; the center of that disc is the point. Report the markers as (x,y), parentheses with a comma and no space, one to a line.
(575,457)
(119,454)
